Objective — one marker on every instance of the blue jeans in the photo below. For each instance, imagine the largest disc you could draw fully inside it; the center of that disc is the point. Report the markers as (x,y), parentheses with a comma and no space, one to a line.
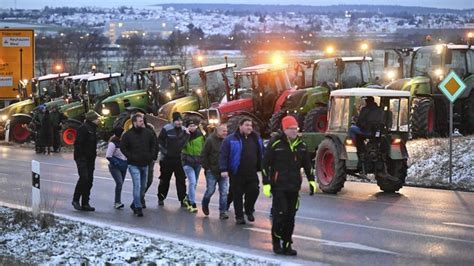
(119,177)
(192,174)
(139,178)
(211,181)
(354,131)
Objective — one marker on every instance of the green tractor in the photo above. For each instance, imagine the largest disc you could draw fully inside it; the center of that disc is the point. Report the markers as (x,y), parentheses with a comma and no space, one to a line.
(155,86)
(15,118)
(384,155)
(88,92)
(419,71)
(315,80)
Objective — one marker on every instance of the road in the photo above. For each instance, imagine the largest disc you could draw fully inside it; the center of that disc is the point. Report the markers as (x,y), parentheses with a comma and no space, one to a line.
(360,225)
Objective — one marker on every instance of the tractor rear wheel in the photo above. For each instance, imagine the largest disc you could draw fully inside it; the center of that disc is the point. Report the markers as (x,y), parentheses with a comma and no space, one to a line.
(233,123)
(316,120)
(330,168)
(19,132)
(395,168)
(423,117)
(69,133)
(274,124)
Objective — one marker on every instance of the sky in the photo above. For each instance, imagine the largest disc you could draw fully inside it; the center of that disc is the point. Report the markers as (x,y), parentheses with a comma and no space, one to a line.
(35,4)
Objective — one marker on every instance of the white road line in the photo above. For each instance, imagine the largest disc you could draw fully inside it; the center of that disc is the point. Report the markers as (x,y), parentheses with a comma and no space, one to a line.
(349,245)
(460,225)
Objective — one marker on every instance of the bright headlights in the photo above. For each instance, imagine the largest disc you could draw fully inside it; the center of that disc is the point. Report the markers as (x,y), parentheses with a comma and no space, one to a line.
(105,111)
(213,121)
(3,118)
(168,94)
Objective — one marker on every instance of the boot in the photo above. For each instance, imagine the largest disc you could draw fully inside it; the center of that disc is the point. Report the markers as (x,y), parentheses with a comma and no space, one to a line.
(287,250)
(76,205)
(139,212)
(276,242)
(87,208)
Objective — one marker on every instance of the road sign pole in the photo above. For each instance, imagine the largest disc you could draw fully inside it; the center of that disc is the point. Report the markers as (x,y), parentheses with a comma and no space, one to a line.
(450,141)
(35,187)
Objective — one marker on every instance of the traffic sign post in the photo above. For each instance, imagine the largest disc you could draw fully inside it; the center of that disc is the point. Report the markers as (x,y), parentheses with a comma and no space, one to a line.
(452,87)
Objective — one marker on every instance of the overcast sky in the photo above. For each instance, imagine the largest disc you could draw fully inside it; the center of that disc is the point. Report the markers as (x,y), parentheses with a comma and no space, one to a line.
(456,4)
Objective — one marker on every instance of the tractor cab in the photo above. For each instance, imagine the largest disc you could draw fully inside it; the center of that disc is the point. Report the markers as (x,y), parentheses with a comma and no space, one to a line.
(384,153)
(49,87)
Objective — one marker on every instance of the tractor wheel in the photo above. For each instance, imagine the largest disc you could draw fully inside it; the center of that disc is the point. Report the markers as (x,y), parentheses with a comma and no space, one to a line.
(330,169)
(19,132)
(316,120)
(274,124)
(69,133)
(467,127)
(233,123)
(423,117)
(396,168)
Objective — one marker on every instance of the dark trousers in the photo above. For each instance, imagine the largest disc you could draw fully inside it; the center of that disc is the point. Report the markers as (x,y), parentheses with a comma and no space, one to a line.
(167,168)
(244,187)
(56,139)
(85,169)
(149,181)
(284,207)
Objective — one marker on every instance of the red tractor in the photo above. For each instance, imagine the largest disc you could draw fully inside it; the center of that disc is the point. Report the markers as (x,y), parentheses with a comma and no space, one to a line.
(259,91)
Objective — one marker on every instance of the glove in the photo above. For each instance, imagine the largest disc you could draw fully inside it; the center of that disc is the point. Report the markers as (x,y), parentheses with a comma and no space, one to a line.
(267,190)
(312,187)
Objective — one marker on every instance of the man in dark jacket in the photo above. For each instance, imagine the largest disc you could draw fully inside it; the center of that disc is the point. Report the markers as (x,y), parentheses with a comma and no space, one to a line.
(284,157)
(240,159)
(138,145)
(171,141)
(85,152)
(210,163)
(57,119)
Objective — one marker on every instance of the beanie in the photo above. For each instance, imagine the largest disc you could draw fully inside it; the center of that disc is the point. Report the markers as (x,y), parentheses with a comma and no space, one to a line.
(288,121)
(190,122)
(177,116)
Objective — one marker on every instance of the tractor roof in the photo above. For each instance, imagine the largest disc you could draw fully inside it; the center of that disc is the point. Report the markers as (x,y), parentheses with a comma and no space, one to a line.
(211,68)
(99,76)
(260,69)
(363,92)
(52,76)
(449,46)
(161,68)
(346,59)
(81,76)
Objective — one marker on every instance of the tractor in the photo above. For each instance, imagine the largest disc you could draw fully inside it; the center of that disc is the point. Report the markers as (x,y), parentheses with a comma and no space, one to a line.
(155,86)
(419,71)
(88,93)
(315,80)
(384,154)
(48,89)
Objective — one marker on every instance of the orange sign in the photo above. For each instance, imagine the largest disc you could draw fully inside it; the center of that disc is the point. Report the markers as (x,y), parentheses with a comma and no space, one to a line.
(17,61)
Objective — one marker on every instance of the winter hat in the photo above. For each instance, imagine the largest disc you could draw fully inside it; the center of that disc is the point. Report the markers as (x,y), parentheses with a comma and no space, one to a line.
(190,122)
(118,131)
(177,116)
(91,116)
(42,107)
(288,121)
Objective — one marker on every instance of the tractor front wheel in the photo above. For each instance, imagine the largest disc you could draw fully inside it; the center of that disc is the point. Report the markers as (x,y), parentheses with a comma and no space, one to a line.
(69,133)
(330,169)
(19,132)
(316,120)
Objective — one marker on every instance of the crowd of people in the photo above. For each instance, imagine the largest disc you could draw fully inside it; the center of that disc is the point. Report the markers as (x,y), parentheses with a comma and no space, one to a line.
(46,126)
(230,161)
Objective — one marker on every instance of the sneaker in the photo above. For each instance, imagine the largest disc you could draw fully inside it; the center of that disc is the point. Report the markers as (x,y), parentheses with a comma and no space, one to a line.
(250,217)
(87,208)
(240,220)
(205,209)
(223,216)
(139,212)
(118,206)
(185,203)
(77,205)
(133,208)
(161,202)
(193,208)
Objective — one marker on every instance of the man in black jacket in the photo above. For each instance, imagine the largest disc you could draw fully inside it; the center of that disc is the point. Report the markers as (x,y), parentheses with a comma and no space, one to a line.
(85,152)
(171,141)
(138,145)
(284,157)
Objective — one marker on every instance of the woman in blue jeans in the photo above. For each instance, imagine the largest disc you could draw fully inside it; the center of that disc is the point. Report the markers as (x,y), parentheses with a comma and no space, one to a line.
(117,165)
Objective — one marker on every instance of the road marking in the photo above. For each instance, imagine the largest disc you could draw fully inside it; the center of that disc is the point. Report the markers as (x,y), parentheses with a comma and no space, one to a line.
(460,225)
(349,245)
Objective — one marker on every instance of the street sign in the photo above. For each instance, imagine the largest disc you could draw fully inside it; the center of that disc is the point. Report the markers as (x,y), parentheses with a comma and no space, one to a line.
(452,86)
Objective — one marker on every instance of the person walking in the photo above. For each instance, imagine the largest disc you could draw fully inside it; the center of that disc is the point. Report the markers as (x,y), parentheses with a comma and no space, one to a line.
(171,140)
(191,160)
(57,119)
(138,145)
(210,163)
(85,152)
(117,165)
(240,159)
(36,126)
(284,157)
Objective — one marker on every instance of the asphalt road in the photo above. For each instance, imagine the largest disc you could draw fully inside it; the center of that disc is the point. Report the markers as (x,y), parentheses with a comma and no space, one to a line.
(360,225)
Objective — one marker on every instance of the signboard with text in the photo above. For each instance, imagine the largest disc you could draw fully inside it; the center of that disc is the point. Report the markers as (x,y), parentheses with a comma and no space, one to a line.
(17,61)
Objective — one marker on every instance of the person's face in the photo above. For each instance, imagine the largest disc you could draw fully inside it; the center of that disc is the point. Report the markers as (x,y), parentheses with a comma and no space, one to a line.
(246,128)
(192,128)
(178,123)
(139,122)
(222,131)
(291,132)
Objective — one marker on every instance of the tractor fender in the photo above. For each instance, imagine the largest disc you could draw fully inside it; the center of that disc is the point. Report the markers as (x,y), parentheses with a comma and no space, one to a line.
(194,113)
(132,109)
(340,147)
(398,152)
(21,115)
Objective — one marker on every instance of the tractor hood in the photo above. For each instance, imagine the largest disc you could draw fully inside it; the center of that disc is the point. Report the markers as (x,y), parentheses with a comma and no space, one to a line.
(124,95)
(25,106)
(72,110)
(188,103)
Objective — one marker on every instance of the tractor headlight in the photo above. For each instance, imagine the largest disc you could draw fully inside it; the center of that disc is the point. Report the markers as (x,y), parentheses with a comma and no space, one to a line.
(3,118)
(213,121)
(105,111)
(168,94)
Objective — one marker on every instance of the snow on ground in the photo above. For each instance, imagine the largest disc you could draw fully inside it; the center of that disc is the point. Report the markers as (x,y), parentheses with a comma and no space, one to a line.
(429,162)
(53,240)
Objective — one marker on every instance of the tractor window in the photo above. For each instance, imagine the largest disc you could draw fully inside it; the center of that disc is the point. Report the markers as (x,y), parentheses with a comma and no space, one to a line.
(116,86)
(396,115)
(194,81)
(458,62)
(352,75)
(339,114)
(325,71)
(470,61)
(425,61)
(215,86)
(404,115)
(98,87)
(50,88)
